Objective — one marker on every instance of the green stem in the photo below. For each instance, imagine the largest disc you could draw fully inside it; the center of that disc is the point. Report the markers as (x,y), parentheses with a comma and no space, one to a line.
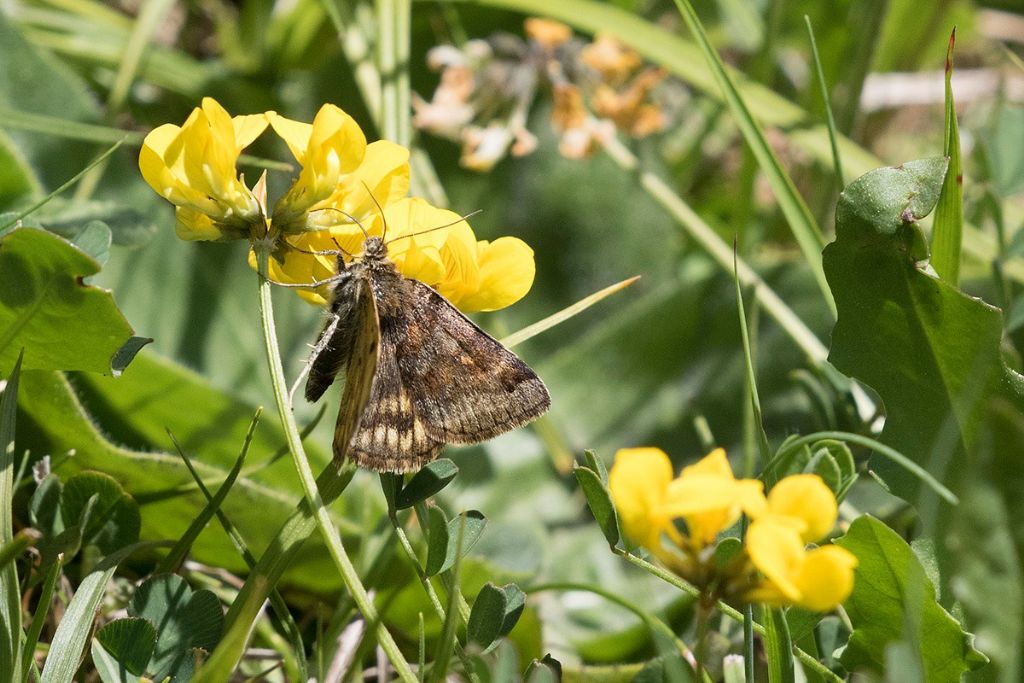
(734,614)
(332,540)
(704,607)
(722,253)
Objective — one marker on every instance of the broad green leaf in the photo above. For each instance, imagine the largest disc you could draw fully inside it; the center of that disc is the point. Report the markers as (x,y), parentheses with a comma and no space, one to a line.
(495,613)
(600,503)
(185,621)
(431,479)
(893,602)
(136,410)
(94,239)
(45,308)
(130,641)
(948,225)
(930,351)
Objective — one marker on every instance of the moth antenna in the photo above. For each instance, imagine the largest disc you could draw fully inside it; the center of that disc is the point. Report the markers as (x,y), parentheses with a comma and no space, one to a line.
(380,208)
(321,252)
(439,227)
(351,219)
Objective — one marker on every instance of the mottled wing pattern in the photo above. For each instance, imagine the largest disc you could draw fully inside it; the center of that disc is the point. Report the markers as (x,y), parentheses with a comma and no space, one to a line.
(363,360)
(392,436)
(465,386)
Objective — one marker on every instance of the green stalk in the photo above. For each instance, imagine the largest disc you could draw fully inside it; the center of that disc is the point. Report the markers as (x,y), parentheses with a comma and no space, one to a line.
(717,249)
(332,540)
(830,119)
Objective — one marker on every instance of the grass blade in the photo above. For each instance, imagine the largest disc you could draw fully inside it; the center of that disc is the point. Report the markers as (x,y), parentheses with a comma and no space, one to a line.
(39,618)
(801,222)
(183,544)
(10,591)
(561,316)
(947,228)
(748,359)
(833,134)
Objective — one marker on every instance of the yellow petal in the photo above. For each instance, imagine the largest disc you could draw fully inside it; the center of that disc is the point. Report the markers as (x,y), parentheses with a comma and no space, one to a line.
(638,481)
(382,178)
(805,497)
(294,133)
(248,128)
(825,579)
(507,270)
(194,225)
(714,463)
(777,552)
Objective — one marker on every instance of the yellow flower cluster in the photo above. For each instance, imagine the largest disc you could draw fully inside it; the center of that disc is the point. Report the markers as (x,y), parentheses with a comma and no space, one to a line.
(345,186)
(776,568)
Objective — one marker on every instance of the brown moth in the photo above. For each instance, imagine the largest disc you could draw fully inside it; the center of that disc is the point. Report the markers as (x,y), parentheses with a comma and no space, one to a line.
(426,374)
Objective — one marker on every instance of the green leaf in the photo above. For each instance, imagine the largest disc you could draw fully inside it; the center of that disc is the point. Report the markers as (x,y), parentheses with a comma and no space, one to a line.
(948,225)
(545,670)
(17,179)
(442,537)
(44,507)
(778,645)
(600,503)
(45,308)
(108,668)
(893,601)
(130,641)
(185,621)
(94,239)
(75,625)
(115,520)
(431,479)
(126,226)
(495,612)
(136,410)
(930,351)
(596,463)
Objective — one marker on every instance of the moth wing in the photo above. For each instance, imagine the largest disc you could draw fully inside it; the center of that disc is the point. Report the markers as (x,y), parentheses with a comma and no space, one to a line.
(466,387)
(392,436)
(363,359)
(334,345)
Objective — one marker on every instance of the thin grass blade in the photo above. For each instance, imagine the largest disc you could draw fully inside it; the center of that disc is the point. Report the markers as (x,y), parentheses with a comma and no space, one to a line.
(948,225)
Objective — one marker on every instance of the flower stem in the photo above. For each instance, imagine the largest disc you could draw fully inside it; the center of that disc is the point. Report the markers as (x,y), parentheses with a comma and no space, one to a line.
(332,540)
(700,652)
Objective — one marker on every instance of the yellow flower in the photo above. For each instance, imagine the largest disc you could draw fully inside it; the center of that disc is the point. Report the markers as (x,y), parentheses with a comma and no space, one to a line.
(806,503)
(817,580)
(638,482)
(710,498)
(194,167)
(333,145)
(432,245)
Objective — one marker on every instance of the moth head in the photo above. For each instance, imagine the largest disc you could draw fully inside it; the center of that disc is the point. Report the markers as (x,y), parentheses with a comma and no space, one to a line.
(374,248)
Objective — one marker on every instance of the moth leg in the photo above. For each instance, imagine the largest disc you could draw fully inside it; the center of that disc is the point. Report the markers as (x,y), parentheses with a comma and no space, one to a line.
(309,285)
(322,343)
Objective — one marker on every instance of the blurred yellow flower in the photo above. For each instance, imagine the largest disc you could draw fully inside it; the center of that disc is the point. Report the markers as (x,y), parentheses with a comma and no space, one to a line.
(775,568)
(817,580)
(638,482)
(194,167)
(710,498)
